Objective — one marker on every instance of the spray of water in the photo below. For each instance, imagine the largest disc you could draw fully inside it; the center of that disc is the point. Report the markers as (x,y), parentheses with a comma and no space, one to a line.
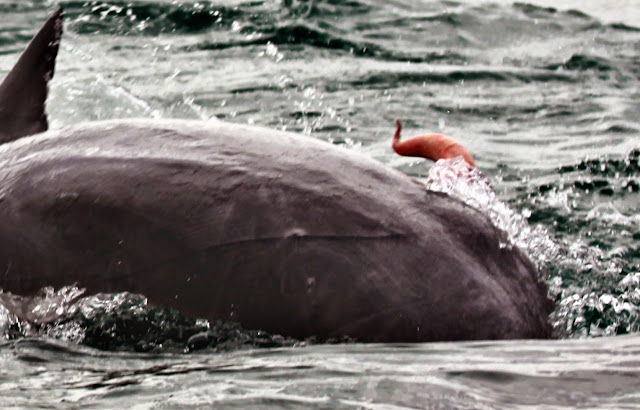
(460,180)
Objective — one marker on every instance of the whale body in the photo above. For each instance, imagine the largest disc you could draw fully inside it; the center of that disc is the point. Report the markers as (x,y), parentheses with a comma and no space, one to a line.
(278,231)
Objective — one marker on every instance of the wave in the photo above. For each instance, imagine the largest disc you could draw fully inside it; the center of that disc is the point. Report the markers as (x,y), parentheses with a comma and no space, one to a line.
(591,206)
(149,18)
(122,322)
(298,34)
(457,74)
(127,322)
(536,11)
(627,166)
(624,27)
(153,18)
(582,62)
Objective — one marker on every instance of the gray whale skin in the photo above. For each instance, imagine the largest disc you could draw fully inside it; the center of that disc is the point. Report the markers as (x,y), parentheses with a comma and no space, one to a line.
(277,231)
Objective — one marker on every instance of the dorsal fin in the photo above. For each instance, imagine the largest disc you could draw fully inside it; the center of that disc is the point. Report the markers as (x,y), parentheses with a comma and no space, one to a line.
(23,92)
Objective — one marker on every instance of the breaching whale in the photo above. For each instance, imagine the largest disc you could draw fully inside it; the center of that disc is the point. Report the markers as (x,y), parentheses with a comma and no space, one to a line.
(277,231)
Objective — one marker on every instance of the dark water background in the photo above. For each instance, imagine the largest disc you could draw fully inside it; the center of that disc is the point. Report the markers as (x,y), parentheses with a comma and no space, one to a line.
(545,98)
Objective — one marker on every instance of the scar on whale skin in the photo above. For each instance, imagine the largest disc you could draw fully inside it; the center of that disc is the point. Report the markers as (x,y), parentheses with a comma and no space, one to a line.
(430,146)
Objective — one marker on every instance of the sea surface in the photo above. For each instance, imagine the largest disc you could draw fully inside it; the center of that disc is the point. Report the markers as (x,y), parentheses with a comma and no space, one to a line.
(545,94)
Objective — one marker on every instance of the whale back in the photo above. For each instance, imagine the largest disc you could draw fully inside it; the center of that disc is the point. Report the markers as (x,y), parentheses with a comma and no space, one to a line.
(278,231)
(23,92)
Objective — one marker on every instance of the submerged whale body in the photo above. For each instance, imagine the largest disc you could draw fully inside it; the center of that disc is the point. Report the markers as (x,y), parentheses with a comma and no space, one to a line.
(274,230)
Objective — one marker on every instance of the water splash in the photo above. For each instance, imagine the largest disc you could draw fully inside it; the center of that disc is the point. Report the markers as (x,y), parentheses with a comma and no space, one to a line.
(457,178)
(596,290)
(121,321)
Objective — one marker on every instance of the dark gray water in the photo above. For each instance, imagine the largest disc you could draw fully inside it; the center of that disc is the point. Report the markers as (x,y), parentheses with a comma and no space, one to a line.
(546,99)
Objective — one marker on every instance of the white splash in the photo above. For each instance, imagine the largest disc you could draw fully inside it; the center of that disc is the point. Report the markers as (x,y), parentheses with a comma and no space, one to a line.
(457,178)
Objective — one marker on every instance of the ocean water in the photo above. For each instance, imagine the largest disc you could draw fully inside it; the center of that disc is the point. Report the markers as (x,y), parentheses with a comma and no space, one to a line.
(544,95)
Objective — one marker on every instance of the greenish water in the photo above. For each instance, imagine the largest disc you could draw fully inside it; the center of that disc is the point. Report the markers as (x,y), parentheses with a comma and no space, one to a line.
(546,99)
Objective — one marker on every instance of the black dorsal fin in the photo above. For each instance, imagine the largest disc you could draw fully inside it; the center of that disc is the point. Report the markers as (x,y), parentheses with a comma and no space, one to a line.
(23,93)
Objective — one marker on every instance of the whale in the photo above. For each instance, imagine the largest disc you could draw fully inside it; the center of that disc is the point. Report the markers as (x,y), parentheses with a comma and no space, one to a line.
(274,230)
